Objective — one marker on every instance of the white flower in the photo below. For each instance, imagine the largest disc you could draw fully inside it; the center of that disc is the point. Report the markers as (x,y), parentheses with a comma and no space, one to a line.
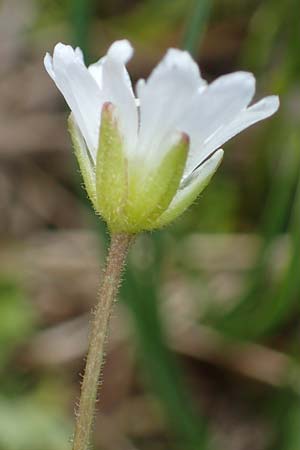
(146,157)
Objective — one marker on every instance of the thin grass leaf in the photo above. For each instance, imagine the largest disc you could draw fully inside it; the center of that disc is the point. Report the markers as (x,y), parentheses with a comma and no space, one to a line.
(140,293)
(81,13)
(251,315)
(196,24)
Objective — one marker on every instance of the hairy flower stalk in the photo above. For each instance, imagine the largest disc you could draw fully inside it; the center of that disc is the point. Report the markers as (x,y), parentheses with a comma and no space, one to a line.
(107,295)
(144,157)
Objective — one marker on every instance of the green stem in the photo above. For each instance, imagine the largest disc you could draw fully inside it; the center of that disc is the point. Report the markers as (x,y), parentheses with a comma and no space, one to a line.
(109,288)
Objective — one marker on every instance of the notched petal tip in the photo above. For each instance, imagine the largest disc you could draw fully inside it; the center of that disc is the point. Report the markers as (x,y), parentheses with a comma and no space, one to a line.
(264,108)
(79,53)
(65,54)
(48,61)
(270,103)
(61,48)
(181,61)
(48,64)
(177,56)
(59,52)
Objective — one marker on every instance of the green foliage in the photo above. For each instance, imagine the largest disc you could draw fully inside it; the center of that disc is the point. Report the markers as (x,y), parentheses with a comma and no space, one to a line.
(215,210)
(196,25)
(284,413)
(152,20)
(267,306)
(16,318)
(25,420)
(264,306)
(26,424)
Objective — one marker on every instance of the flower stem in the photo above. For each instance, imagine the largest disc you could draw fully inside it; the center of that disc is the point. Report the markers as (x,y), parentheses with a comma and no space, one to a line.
(109,288)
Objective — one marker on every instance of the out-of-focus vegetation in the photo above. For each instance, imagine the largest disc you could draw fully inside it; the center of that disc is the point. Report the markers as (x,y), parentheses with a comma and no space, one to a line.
(204,347)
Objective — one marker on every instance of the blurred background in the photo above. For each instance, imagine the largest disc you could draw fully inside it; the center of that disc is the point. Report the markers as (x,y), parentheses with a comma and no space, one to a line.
(204,344)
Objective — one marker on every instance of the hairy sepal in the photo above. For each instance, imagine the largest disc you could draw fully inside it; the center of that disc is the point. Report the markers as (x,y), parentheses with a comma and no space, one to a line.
(111,171)
(151,191)
(86,166)
(186,196)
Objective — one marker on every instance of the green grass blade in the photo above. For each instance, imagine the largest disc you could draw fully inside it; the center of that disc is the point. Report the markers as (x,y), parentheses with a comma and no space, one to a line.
(251,316)
(141,295)
(196,24)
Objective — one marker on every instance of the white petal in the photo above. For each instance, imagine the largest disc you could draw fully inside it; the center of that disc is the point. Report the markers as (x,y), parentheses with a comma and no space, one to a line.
(121,51)
(79,53)
(165,97)
(96,71)
(117,89)
(220,103)
(80,90)
(259,111)
(48,63)
(141,83)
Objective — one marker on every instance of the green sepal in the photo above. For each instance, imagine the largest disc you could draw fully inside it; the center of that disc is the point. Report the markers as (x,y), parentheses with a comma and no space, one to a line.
(150,193)
(187,195)
(86,166)
(111,172)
